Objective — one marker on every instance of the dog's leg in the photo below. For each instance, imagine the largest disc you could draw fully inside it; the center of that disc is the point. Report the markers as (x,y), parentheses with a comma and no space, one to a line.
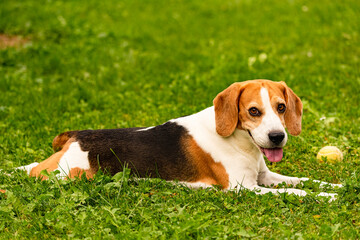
(297,192)
(263,190)
(322,184)
(195,185)
(28,168)
(269,178)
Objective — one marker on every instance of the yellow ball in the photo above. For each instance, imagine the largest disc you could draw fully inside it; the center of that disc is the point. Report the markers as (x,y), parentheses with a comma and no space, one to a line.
(331,153)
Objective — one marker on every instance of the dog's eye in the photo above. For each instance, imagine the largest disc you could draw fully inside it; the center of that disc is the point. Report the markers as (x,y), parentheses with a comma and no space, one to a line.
(254,112)
(281,108)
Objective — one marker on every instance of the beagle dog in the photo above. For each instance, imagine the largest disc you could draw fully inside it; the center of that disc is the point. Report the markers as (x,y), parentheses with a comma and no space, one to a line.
(222,145)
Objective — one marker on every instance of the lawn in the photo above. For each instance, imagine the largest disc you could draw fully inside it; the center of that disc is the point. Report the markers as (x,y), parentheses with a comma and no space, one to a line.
(111,64)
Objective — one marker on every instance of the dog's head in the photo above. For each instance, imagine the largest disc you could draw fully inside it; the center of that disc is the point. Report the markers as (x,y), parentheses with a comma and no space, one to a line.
(262,108)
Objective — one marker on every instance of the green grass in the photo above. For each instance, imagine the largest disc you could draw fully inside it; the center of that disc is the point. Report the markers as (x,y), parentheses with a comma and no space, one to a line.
(113,64)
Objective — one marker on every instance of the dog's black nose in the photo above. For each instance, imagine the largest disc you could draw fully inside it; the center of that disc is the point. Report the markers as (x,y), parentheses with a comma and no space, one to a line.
(276,137)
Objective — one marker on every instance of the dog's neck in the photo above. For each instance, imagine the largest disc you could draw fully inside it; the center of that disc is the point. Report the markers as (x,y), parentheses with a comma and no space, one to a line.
(204,121)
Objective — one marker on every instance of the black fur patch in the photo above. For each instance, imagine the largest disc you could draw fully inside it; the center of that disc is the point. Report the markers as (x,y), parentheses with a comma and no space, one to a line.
(156,152)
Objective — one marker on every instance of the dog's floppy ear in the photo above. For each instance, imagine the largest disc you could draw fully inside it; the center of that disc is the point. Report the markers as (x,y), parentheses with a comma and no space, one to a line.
(226,105)
(293,111)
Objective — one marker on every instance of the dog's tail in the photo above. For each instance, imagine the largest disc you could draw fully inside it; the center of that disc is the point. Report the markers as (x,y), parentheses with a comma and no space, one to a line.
(58,143)
(26,168)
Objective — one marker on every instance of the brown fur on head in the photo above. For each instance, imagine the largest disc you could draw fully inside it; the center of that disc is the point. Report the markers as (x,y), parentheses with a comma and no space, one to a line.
(294,113)
(226,106)
(232,105)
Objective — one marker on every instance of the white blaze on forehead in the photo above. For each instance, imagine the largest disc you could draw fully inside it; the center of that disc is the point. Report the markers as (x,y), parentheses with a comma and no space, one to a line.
(265,98)
(270,119)
(270,122)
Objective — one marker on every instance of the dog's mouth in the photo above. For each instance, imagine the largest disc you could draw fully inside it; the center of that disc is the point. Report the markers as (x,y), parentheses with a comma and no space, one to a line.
(272,154)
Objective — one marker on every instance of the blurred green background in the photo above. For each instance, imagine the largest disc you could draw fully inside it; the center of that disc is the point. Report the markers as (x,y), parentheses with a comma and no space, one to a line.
(112,64)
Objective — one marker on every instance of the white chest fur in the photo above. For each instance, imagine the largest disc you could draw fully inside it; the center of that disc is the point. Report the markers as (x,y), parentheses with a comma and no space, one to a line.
(241,158)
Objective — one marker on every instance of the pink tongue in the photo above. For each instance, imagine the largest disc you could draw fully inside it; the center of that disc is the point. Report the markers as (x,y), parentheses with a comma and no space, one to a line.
(273,154)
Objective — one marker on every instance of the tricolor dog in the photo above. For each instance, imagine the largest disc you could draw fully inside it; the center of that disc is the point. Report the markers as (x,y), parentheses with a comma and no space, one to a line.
(222,145)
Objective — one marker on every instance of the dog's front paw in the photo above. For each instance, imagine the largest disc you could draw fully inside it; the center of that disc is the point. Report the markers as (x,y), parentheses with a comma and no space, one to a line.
(331,196)
(322,184)
(335,185)
(326,184)
(304,179)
